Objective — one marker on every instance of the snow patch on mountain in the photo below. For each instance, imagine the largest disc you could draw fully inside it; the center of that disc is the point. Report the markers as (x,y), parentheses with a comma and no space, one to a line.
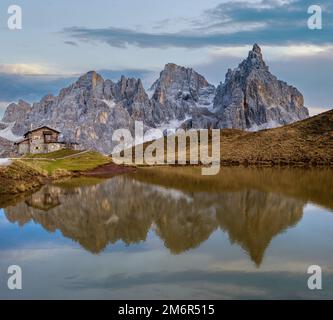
(8,134)
(110,103)
(269,125)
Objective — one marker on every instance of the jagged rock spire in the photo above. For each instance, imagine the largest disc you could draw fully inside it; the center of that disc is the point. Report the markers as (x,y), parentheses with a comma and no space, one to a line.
(256,48)
(253,98)
(254,59)
(178,91)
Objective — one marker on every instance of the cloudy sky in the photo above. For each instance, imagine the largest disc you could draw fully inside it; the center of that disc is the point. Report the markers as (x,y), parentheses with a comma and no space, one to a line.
(62,39)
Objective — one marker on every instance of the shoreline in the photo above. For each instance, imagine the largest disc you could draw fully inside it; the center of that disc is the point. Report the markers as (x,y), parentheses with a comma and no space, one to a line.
(33,181)
(108,170)
(28,181)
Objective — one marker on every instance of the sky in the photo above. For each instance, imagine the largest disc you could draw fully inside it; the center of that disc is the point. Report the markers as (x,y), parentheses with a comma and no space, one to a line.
(60,40)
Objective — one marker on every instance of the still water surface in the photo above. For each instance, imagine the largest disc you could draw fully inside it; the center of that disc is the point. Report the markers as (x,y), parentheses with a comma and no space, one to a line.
(170,233)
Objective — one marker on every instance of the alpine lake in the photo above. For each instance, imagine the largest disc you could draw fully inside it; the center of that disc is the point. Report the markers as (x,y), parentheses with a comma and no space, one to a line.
(171,233)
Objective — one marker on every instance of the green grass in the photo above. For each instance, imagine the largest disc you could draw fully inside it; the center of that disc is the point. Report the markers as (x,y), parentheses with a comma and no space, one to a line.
(81,162)
(28,174)
(53,155)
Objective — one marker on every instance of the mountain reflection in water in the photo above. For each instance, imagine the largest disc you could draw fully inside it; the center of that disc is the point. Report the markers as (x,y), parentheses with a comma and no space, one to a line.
(182,207)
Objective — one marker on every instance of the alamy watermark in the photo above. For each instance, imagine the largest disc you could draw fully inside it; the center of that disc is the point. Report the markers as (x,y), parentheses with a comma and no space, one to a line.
(315,21)
(168,147)
(15,17)
(177,147)
(14,278)
(315,280)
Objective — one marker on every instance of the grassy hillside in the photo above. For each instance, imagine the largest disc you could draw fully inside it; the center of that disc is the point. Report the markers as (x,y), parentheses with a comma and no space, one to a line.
(20,177)
(308,142)
(33,170)
(53,155)
(67,160)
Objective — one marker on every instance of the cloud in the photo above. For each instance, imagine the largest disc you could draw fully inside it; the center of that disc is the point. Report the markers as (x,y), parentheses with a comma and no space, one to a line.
(71,43)
(147,76)
(115,75)
(269,22)
(30,87)
(15,84)
(275,52)
(228,284)
(32,69)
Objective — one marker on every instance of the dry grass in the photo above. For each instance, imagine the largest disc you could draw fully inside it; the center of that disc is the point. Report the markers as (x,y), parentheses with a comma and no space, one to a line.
(20,177)
(308,142)
(304,143)
(27,174)
(76,163)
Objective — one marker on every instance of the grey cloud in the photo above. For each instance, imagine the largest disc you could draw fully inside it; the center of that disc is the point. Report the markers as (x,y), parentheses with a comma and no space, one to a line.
(116,74)
(283,24)
(274,285)
(33,87)
(29,87)
(71,43)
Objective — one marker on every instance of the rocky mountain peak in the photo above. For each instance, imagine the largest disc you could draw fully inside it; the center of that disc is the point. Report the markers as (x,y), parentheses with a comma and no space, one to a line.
(14,117)
(90,86)
(172,66)
(254,60)
(251,98)
(89,81)
(16,111)
(129,87)
(131,95)
(256,49)
(89,110)
(175,75)
(178,91)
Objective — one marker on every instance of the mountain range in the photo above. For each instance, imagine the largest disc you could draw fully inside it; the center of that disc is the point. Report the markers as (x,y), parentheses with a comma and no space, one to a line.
(92,108)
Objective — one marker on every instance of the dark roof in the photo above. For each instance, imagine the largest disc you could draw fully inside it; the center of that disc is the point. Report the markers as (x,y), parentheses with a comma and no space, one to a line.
(69,142)
(20,141)
(55,142)
(43,127)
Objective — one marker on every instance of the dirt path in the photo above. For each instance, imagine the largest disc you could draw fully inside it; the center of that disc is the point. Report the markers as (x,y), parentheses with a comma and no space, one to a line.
(52,159)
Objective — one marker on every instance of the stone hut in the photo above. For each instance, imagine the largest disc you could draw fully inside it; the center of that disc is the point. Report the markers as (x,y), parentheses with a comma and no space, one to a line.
(42,140)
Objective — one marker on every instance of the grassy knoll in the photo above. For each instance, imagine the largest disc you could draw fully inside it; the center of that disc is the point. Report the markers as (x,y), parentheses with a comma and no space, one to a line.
(60,162)
(53,155)
(20,177)
(33,170)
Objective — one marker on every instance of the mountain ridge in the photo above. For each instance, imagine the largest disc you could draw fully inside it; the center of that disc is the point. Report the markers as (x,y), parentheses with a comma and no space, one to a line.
(92,108)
